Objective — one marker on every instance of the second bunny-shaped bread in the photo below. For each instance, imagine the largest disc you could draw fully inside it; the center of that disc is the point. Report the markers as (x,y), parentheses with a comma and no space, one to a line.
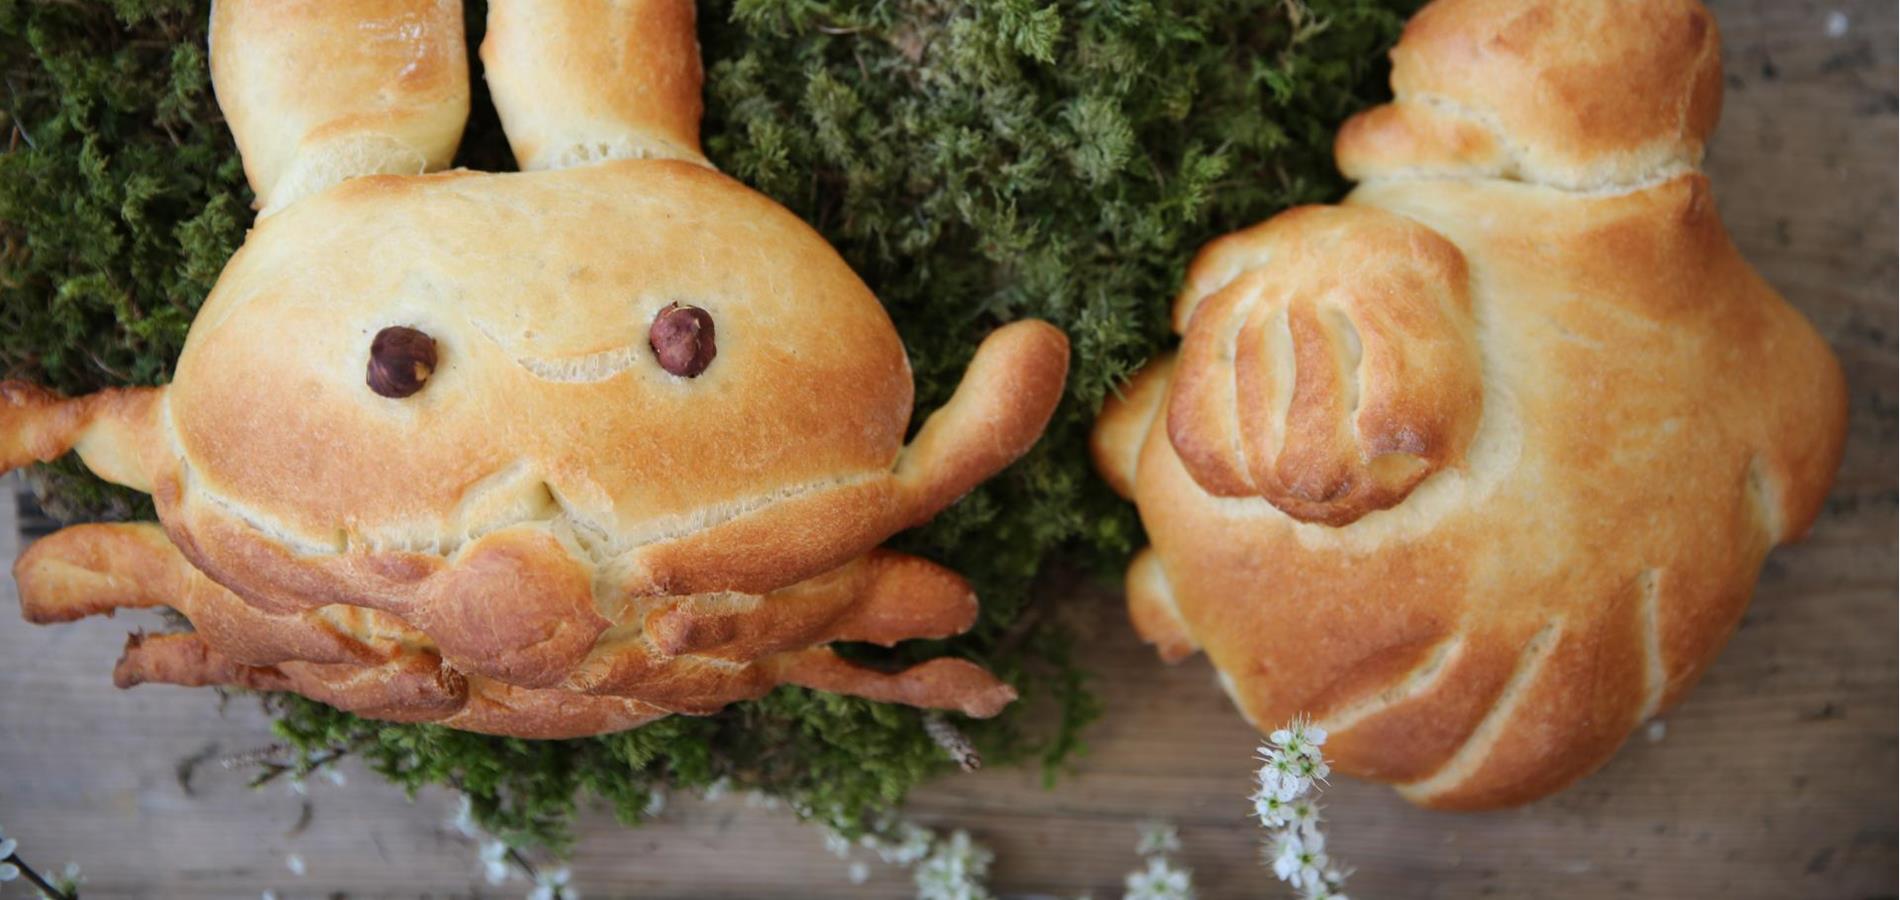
(1478,468)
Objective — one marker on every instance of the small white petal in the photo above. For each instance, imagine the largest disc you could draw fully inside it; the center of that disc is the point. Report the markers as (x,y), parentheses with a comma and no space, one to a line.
(838,845)
(9,871)
(1158,837)
(8,847)
(858,872)
(294,862)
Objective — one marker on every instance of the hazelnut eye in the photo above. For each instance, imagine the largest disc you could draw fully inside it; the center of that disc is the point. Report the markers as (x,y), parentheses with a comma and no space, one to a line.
(400,361)
(682,339)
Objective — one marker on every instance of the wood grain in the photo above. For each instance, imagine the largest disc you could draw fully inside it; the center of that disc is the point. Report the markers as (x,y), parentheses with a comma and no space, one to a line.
(1775,779)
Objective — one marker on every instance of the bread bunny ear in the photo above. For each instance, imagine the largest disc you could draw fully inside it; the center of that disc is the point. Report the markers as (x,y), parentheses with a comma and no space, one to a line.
(580,81)
(1330,363)
(318,92)
(1574,94)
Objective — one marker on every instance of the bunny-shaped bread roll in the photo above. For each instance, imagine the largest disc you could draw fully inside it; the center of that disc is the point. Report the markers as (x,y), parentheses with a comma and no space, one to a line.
(545,454)
(1478,467)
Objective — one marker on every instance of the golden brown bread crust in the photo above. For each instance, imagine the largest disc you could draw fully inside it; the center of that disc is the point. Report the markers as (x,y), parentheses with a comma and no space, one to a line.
(1650,418)
(516,589)
(546,400)
(1010,390)
(1578,94)
(109,429)
(317,91)
(524,521)
(1334,371)
(579,81)
(677,655)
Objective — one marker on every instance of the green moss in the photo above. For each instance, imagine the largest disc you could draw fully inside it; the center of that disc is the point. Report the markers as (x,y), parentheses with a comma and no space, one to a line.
(976,162)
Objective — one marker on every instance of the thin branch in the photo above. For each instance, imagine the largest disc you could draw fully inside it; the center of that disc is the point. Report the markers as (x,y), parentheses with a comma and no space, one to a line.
(45,886)
(258,756)
(953,742)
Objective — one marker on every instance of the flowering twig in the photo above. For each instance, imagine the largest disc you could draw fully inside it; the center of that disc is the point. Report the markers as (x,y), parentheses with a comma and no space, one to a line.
(1292,766)
(12,866)
(1162,879)
(497,858)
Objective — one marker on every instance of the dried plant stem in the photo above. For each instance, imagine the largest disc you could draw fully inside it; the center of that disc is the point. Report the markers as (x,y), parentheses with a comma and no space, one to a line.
(268,759)
(953,742)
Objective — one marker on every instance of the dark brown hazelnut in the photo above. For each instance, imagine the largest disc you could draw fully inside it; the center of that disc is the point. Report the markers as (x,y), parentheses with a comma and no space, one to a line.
(682,339)
(400,361)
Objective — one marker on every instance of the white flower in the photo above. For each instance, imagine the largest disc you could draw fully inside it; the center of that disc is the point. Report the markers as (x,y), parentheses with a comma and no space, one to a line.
(761,800)
(910,844)
(955,870)
(1303,816)
(716,791)
(838,845)
(494,858)
(858,872)
(1312,767)
(1269,809)
(464,820)
(552,884)
(1283,776)
(336,776)
(1161,881)
(8,872)
(1157,838)
(294,862)
(1299,736)
(656,804)
(1300,860)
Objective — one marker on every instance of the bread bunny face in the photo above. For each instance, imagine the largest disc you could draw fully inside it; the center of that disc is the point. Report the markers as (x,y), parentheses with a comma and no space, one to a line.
(1478,468)
(548,453)
(541,297)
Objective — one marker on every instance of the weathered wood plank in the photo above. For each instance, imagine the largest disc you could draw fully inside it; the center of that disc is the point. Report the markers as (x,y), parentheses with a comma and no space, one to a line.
(1775,779)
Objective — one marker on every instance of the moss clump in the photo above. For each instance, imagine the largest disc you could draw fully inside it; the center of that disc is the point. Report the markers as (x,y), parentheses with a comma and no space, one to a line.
(976,162)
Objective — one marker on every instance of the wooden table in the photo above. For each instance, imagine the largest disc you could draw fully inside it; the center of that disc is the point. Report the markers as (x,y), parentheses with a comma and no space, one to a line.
(1775,779)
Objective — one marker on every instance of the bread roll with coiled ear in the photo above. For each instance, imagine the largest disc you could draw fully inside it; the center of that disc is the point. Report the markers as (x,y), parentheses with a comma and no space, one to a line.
(1478,467)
